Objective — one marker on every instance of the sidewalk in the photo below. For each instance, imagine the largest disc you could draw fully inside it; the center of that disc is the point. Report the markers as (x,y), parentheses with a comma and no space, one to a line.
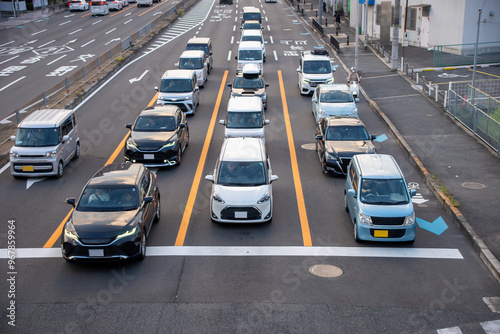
(26,17)
(439,147)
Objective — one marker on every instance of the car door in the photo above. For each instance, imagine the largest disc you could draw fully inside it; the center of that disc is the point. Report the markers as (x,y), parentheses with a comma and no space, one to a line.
(351,183)
(320,139)
(69,146)
(147,209)
(315,103)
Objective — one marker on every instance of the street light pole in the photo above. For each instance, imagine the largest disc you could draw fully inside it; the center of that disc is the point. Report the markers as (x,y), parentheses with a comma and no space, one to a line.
(475,51)
(395,37)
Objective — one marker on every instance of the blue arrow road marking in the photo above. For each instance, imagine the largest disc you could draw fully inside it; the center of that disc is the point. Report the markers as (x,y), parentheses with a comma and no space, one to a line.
(319,47)
(437,227)
(381,138)
(304,33)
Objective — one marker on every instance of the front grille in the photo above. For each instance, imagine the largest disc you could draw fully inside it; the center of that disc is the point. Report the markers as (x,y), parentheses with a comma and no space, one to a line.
(96,241)
(229,213)
(149,148)
(37,156)
(388,220)
(391,233)
(316,83)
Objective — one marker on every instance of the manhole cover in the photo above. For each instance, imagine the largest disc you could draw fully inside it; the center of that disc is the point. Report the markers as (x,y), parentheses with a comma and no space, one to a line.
(311,147)
(473,185)
(325,270)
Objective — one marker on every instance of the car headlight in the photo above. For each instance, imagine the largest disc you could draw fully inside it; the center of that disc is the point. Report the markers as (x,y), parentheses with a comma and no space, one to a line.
(14,155)
(264,198)
(364,219)
(305,80)
(160,98)
(187,98)
(322,112)
(69,231)
(51,154)
(131,143)
(409,220)
(330,156)
(167,145)
(127,233)
(330,80)
(217,198)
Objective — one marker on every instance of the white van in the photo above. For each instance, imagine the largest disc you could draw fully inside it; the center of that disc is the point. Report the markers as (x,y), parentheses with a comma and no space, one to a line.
(194,60)
(45,142)
(99,7)
(250,52)
(254,35)
(251,13)
(245,117)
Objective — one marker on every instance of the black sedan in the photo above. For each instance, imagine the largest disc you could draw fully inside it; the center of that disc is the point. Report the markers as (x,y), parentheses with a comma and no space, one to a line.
(113,215)
(159,136)
(338,139)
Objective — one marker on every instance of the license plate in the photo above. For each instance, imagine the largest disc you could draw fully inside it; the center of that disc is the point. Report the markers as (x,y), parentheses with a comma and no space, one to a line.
(28,168)
(240,214)
(149,156)
(96,252)
(381,234)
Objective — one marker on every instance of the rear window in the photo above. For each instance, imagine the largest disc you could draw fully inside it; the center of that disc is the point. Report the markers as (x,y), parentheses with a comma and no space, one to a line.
(98,3)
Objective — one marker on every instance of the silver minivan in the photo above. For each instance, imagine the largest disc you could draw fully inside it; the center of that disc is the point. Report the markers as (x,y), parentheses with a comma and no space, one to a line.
(179,87)
(194,60)
(245,117)
(45,142)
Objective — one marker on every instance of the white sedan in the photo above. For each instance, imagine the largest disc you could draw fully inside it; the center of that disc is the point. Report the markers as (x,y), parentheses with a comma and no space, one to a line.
(78,5)
(115,4)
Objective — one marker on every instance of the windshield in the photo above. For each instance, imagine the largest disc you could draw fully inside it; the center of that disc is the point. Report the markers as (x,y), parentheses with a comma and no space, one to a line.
(248,173)
(242,120)
(176,86)
(252,38)
(246,82)
(336,96)
(383,191)
(250,55)
(37,137)
(317,67)
(154,124)
(203,47)
(251,16)
(347,133)
(190,63)
(108,199)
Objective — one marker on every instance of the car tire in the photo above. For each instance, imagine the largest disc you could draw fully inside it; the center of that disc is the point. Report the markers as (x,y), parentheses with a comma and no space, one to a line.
(323,167)
(158,211)
(345,202)
(60,169)
(179,153)
(142,250)
(77,151)
(356,238)
(187,140)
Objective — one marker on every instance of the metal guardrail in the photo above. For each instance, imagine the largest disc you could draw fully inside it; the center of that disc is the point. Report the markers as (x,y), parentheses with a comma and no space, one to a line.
(318,27)
(334,43)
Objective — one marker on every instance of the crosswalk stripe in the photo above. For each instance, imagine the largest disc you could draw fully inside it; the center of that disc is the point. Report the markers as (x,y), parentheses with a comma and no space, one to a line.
(450,330)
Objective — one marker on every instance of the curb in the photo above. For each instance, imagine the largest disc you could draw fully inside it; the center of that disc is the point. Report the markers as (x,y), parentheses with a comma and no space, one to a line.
(437,69)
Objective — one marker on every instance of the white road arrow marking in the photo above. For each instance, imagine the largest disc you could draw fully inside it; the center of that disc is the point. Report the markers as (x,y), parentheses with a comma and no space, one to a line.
(113,40)
(419,199)
(139,78)
(30,182)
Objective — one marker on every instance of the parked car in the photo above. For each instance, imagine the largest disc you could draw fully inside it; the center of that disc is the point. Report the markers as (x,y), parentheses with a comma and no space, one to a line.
(180,87)
(315,68)
(158,137)
(338,139)
(249,82)
(333,100)
(242,183)
(115,4)
(78,5)
(378,200)
(113,216)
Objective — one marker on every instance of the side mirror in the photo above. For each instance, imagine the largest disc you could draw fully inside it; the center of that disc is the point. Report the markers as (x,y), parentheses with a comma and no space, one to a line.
(182,125)
(156,88)
(65,138)
(209,178)
(334,68)
(298,69)
(351,193)
(176,64)
(13,138)
(236,57)
(148,199)
(267,85)
(230,85)
(413,192)
(266,122)
(71,200)
(319,137)
(356,100)
(373,137)
(128,126)
(222,122)
(274,178)
(314,100)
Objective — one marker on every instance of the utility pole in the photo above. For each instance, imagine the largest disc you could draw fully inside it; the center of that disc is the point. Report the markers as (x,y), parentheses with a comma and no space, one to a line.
(320,6)
(475,51)
(356,38)
(366,24)
(395,36)
(404,29)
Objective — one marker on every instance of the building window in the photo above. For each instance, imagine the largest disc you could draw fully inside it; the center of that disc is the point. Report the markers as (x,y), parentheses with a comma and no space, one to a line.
(411,19)
(425,11)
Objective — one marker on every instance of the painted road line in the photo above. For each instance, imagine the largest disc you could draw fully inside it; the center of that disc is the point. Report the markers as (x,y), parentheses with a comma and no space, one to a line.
(128,21)
(110,31)
(7,43)
(74,32)
(38,32)
(229,56)
(181,235)
(9,59)
(52,41)
(492,75)
(275,55)
(13,82)
(144,12)
(96,22)
(123,10)
(395,97)
(232,39)
(57,233)
(87,43)
(285,251)
(4,168)
(306,233)
(61,24)
(52,62)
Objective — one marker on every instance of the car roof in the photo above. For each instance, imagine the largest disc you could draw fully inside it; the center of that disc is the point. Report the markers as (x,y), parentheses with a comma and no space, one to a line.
(250,9)
(178,74)
(160,110)
(243,149)
(199,40)
(378,166)
(244,103)
(252,21)
(307,55)
(251,32)
(45,118)
(250,45)
(192,54)
(343,120)
(334,86)
(249,68)
(120,174)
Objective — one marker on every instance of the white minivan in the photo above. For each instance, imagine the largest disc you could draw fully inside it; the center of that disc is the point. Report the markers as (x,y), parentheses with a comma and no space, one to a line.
(245,117)
(250,52)
(194,60)
(45,142)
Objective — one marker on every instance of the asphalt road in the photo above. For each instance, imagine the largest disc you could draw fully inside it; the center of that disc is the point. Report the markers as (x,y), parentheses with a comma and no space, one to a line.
(203,277)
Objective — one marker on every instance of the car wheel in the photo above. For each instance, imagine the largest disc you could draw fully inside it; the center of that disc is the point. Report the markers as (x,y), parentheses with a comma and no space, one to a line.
(323,166)
(60,169)
(158,211)
(142,251)
(77,151)
(345,202)
(179,152)
(356,238)
(187,140)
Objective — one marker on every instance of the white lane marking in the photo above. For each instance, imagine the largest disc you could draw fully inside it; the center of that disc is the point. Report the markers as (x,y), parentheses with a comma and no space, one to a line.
(232,39)
(52,62)
(268,28)
(38,32)
(88,43)
(229,56)
(61,24)
(9,59)
(5,167)
(7,43)
(491,327)
(234,28)
(74,32)
(450,330)
(275,55)
(271,38)
(128,21)
(96,22)
(127,14)
(425,253)
(13,82)
(140,77)
(52,41)
(395,97)
(157,13)
(30,182)
(110,31)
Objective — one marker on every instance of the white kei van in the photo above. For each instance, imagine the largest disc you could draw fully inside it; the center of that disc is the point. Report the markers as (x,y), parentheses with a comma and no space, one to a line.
(99,7)
(45,142)
(245,117)
(250,52)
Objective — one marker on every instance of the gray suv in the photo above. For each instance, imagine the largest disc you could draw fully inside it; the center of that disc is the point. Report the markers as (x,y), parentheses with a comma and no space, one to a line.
(179,87)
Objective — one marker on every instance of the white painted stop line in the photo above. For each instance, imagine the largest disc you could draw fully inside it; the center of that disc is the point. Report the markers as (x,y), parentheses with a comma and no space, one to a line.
(401,252)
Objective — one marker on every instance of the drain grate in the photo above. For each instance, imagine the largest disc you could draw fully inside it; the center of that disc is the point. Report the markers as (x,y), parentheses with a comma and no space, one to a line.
(325,270)
(473,185)
(493,303)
